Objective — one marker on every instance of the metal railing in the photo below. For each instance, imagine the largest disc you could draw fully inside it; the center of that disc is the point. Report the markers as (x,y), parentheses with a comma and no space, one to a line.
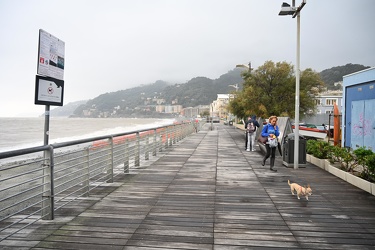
(49,177)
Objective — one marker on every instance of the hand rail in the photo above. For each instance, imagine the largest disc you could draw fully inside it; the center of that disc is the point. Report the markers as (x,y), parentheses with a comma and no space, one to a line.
(52,176)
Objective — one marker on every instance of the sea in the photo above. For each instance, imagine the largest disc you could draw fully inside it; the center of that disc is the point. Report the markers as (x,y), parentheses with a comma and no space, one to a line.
(20,133)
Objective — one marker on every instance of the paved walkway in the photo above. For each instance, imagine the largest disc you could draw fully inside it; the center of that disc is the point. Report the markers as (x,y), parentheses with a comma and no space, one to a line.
(209,193)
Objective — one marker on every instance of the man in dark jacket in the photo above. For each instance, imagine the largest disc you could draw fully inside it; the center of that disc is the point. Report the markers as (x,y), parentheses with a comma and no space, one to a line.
(251,126)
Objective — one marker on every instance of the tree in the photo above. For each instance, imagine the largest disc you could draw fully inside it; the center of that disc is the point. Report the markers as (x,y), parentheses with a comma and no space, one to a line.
(270,90)
(205,113)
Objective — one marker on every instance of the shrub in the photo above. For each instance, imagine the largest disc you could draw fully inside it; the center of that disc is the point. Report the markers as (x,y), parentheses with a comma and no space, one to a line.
(334,154)
(321,149)
(347,159)
(310,145)
(361,154)
(368,172)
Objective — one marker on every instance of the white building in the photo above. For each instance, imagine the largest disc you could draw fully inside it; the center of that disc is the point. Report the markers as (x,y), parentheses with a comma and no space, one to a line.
(219,107)
(324,101)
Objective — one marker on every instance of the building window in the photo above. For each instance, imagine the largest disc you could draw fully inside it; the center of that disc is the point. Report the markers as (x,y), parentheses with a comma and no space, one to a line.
(330,102)
(329,111)
(317,102)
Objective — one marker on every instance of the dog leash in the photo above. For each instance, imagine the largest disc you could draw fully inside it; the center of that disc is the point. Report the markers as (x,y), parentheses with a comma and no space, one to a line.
(302,191)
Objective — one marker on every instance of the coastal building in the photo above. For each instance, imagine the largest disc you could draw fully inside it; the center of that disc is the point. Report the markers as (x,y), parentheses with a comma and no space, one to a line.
(219,107)
(170,109)
(195,111)
(325,100)
(190,112)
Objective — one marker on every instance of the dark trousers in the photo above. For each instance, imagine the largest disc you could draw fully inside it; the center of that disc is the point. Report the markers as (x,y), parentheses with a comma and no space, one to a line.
(246,138)
(270,152)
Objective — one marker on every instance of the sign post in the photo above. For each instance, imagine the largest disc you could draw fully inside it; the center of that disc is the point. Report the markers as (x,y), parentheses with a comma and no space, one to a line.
(49,90)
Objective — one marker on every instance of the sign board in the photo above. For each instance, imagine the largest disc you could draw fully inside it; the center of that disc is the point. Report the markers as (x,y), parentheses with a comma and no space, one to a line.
(51,56)
(49,91)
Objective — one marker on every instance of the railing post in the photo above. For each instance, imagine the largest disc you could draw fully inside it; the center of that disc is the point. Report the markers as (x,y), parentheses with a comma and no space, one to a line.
(86,182)
(47,212)
(171,135)
(177,133)
(52,187)
(147,146)
(180,131)
(166,132)
(137,151)
(110,158)
(154,144)
(174,134)
(183,133)
(162,131)
(126,158)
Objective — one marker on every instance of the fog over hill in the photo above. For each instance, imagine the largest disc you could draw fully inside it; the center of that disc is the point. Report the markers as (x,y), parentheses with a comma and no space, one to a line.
(136,102)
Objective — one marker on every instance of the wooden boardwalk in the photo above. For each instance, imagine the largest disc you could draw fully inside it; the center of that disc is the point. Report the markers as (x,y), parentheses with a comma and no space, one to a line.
(207,192)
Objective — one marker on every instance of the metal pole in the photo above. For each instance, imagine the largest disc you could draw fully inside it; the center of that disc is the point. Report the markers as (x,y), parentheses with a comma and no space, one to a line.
(110,161)
(154,144)
(212,117)
(46,125)
(46,203)
(137,150)
(296,119)
(126,157)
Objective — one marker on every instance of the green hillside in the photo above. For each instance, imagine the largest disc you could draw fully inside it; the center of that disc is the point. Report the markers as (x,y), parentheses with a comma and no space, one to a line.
(335,74)
(141,101)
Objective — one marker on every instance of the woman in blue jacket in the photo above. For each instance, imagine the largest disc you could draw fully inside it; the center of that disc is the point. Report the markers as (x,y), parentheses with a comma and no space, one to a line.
(270,130)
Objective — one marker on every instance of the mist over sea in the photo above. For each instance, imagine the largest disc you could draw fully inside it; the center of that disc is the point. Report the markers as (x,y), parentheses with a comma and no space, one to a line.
(17,133)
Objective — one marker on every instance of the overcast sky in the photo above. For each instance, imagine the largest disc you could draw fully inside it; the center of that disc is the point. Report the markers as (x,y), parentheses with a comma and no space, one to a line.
(118,44)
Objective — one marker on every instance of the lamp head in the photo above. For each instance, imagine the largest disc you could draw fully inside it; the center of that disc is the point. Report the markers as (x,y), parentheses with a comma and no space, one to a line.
(286,9)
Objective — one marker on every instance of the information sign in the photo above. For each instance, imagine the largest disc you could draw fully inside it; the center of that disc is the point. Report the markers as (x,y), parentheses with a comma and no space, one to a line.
(51,56)
(49,91)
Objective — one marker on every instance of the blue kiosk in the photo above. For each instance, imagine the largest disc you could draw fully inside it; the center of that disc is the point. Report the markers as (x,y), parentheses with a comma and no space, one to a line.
(358,111)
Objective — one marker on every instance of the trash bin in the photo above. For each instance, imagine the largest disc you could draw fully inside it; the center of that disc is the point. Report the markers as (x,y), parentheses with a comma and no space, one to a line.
(288,150)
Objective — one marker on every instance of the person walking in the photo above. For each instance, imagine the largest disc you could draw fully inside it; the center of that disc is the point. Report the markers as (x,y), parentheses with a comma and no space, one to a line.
(251,127)
(246,133)
(271,130)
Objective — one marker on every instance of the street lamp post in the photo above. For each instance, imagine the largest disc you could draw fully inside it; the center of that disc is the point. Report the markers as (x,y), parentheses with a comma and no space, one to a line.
(236,87)
(248,67)
(286,9)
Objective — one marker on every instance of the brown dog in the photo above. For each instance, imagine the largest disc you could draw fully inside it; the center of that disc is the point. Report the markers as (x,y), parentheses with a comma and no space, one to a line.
(301,191)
